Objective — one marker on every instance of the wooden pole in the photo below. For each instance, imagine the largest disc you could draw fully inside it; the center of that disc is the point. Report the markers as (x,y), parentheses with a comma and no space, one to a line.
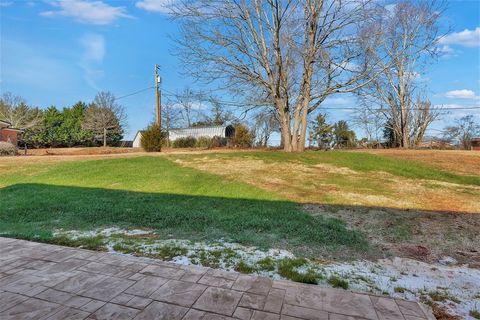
(158,97)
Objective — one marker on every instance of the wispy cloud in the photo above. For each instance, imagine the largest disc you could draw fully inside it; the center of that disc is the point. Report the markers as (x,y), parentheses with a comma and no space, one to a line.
(89,12)
(161,6)
(466,38)
(462,94)
(93,53)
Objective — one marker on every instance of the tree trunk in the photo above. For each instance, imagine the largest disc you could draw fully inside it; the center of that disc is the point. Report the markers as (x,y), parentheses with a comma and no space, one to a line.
(104,137)
(286,134)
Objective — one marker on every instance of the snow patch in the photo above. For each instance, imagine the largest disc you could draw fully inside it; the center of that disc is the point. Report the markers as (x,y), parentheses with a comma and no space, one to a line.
(457,286)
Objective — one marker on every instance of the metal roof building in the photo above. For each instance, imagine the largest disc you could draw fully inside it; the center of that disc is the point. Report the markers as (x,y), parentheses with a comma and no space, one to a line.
(197,132)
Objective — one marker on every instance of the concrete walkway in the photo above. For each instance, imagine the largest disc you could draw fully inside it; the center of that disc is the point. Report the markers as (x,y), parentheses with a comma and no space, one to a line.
(40,281)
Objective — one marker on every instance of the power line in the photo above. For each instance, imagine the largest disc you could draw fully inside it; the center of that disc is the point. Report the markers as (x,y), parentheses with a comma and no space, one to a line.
(134,93)
(262,103)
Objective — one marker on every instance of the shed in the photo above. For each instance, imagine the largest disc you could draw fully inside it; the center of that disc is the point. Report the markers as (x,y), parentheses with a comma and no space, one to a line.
(197,132)
(137,140)
(8,133)
(475,143)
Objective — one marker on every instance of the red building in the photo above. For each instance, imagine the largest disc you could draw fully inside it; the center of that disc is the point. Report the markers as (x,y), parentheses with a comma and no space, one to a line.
(476,144)
(7,133)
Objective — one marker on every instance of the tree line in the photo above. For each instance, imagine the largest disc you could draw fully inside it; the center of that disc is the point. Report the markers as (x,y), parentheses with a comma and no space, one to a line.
(99,123)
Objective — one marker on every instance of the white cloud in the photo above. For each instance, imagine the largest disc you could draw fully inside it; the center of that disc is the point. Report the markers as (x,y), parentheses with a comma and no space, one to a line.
(466,38)
(462,94)
(160,6)
(445,49)
(90,12)
(93,53)
(94,47)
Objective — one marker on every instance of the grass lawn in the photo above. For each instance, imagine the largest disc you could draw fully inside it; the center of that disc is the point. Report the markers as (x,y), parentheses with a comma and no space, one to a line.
(340,205)
(156,193)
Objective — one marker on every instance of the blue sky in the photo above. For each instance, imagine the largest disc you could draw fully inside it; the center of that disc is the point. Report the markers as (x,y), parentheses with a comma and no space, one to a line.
(59,52)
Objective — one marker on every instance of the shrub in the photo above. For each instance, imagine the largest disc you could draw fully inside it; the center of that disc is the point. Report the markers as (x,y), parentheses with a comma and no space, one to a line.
(152,139)
(218,142)
(188,142)
(243,137)
(203,142)
(7,149)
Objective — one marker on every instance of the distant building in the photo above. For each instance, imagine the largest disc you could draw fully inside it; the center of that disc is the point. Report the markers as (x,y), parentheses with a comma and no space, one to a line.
(9,134)
(196,132)
(476,143)
(137,140)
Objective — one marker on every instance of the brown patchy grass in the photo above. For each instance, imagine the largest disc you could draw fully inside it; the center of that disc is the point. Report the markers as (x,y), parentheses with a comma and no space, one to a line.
(328,184)
(458,161)
(405,217)
(79,151)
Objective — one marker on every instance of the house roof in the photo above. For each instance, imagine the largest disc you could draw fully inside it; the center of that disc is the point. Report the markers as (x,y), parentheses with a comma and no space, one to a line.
(138,132)
(13,129)
(5,123)
(476,139)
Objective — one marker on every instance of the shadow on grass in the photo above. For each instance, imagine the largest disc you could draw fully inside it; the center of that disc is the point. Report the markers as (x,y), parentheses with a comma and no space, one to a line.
(34,211)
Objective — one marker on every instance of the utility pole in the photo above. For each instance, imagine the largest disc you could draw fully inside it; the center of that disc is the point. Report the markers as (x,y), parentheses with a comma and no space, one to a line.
(158,96)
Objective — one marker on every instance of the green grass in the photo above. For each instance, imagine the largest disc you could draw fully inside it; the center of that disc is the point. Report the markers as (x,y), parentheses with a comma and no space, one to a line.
(364,162)
(337,282)
(156,193)
(288,268)
(474,313)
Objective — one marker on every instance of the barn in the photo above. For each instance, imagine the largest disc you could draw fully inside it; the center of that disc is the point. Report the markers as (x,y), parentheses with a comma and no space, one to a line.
(476,143)
(7,133)
(196,132)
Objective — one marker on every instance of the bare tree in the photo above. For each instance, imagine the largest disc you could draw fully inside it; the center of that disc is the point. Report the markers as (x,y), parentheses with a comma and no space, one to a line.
(463,131)
(15,110)
(370,121)
(292,53)
(400,43)
(188,103)
(171,116)
(265,123)
(105,118)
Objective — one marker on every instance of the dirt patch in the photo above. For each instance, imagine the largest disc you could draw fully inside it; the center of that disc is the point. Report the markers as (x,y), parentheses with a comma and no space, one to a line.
(458,161)
(411,233)
(416,252)
(441,313)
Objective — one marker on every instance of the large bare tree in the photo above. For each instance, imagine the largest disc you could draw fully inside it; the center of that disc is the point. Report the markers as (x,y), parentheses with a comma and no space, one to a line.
(398,45)
(291,53)
(105,118)
(188,103)
(15,110)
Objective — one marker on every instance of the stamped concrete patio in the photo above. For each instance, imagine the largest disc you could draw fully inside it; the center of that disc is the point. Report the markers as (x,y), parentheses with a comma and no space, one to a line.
(40,281)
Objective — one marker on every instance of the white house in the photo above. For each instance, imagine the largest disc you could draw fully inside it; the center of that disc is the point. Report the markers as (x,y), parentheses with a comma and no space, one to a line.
(136,141)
